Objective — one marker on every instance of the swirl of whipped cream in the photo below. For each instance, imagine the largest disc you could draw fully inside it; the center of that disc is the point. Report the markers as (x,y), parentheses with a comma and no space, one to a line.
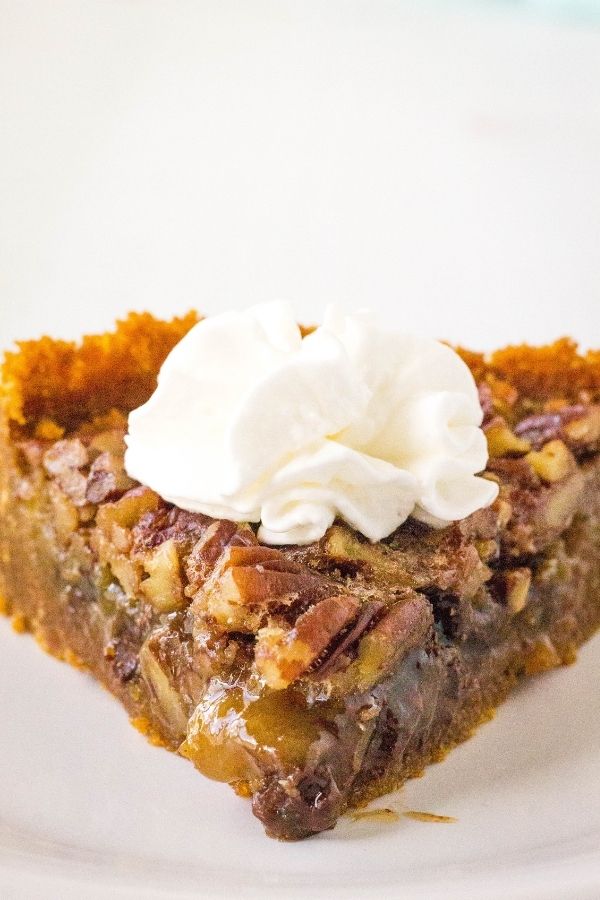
(253,422)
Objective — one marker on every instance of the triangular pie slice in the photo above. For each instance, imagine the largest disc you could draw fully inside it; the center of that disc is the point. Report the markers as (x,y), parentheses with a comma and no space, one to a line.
(311,679)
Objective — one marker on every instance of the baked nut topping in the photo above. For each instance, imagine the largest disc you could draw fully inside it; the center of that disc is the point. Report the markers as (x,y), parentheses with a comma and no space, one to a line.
(518,582)
(163,586)
(107,478)
(554,462)
(502,441)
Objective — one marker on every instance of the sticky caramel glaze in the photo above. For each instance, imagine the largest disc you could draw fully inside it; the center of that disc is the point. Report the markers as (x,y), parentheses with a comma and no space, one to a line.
(437,697)
(343,754)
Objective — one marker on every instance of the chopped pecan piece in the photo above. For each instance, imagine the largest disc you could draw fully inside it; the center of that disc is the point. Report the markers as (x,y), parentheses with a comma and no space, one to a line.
(517,584)
(156,673)
(349,553)
(112,538)
(74,484)
(124,513)
(64,456)
(107,478)
(252,581)
(541,656)
(562,502)
(502,441)
(163,587)
(62,461)
(515,472)
(164,523)
(256,555)
(486,401)
(284,654)
(540,510)
(345,550)
(554,462)
(416,557)
(583,432)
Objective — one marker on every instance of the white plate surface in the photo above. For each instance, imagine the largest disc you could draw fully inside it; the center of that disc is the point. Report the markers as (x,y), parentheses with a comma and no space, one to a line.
(86,801)
(432,165)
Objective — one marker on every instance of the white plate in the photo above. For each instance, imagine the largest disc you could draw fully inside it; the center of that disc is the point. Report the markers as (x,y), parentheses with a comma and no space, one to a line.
(155,154)
(87,802)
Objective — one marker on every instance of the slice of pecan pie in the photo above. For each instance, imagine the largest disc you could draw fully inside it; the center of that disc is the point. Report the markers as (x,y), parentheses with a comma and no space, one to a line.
(311,678)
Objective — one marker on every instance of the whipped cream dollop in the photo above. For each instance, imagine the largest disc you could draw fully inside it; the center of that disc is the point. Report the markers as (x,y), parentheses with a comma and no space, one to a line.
(253,422)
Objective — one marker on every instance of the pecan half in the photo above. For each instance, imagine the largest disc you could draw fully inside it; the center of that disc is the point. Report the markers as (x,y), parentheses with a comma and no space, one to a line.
(284,654)
(251,582)
(207,551)
(402,629)
(338,655)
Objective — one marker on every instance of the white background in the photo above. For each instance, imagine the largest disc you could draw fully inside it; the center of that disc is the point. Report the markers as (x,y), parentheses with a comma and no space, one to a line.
(442,166)
(439,165)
